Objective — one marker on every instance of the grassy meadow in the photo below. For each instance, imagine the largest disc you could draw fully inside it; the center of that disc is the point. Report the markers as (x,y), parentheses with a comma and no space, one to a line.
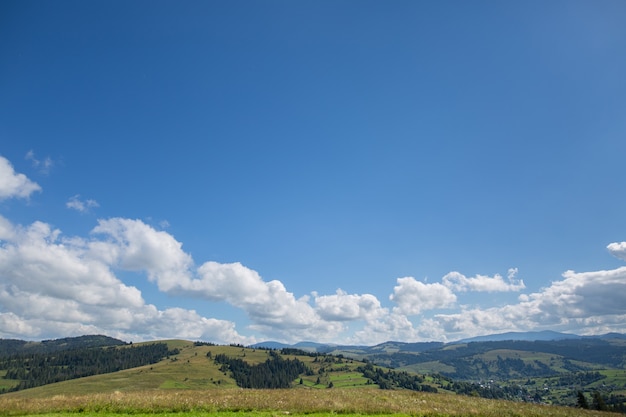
(293,402)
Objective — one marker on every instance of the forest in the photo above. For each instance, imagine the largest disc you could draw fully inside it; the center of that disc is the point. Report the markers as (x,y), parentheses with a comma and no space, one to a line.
(275,372)
(35,369)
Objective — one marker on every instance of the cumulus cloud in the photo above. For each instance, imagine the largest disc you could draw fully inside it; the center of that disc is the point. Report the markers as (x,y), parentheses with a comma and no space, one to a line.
(412,296)
(459,282)
(14,185)
(67,285)
(83,206)
(581,295)
(348,307)
(52,286)
(265,302)
(588,302)
(618,249)
(136,246)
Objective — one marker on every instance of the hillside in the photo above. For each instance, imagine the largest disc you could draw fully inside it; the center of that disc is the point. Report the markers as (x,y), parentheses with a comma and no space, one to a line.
(552,371)
(496,369)
(28,369)
(205,366)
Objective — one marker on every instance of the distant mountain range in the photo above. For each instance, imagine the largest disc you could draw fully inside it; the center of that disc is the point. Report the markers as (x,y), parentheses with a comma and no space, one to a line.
(527,336)
(545,335)
(12,346)
(9,346)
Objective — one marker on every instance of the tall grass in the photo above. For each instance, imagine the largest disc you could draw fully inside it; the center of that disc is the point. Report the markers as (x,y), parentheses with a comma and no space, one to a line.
(287,401)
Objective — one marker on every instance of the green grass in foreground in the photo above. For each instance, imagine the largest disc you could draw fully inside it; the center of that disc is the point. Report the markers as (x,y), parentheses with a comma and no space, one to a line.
(292,402)
(217,414)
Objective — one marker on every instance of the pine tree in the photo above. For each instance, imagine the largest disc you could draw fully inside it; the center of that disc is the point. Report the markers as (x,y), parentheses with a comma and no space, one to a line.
(581,402)
(598,402)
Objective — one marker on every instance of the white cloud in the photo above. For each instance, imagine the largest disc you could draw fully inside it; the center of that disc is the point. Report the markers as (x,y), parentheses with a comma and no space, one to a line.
(473,322)
(50,283)
(582,295)
(133,245)
(82,206)
(347,307)
(6,229)
(459,282)
(413,297)
(268,304)
(188,324)
(581,303)
(618,249)
(52,286)
(14,185)
(392,326)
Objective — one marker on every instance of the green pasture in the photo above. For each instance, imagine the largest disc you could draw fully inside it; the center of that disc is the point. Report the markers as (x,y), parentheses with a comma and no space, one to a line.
(216,414)
(433,367)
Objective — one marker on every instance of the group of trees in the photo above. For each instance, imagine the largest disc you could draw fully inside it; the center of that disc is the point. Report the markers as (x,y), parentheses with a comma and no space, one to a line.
(580,378)
(599,402)
(389,379)
(275,372)
(35,369)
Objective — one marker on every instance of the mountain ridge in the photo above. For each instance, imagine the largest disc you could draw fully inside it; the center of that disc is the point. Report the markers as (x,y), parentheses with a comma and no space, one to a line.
(9,346)
(531,336)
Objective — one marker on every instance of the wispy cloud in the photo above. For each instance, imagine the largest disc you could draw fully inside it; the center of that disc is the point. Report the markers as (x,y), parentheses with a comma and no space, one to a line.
(14,185)
(44,166)
(83,206)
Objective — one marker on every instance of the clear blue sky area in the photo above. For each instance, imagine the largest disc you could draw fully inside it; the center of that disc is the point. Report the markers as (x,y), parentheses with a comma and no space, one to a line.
(339,171)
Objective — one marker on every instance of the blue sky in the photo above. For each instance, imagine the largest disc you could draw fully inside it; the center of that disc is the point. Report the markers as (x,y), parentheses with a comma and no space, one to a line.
(338,171)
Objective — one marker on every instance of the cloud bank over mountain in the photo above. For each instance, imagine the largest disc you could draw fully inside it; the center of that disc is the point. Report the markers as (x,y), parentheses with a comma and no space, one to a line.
(53,285)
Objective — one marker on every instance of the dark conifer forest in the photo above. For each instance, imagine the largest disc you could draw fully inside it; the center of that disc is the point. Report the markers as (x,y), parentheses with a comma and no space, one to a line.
(275,372)
(35,369)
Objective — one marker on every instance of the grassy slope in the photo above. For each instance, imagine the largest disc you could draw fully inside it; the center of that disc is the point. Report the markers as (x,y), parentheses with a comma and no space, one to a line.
(191,369)
(190,403)
(192,383)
